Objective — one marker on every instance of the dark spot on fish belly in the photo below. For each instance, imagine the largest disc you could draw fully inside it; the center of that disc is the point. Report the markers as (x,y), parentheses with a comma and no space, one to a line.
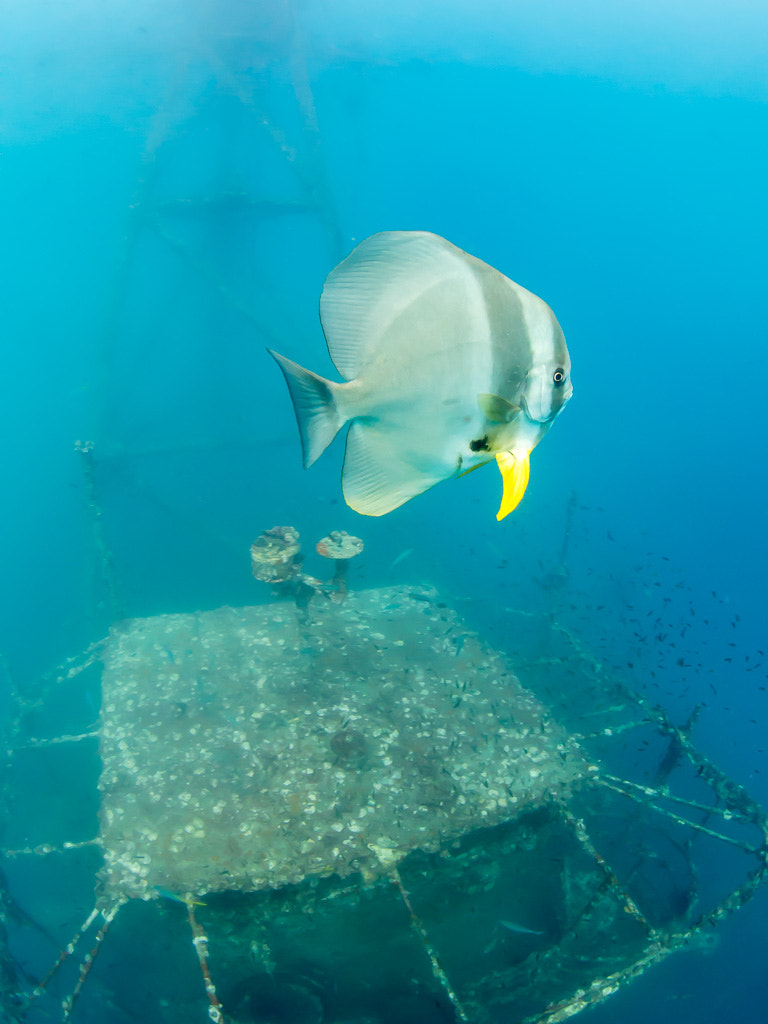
(480,445)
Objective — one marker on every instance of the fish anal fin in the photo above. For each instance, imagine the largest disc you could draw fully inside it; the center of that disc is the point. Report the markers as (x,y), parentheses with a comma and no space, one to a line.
(377,476)
(515,471)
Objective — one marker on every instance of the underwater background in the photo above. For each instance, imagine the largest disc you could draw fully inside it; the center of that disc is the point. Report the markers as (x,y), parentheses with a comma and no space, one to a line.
(177,181)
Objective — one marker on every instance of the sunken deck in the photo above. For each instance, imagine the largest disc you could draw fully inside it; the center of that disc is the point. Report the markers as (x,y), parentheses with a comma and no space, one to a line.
(384,820)
(245,748)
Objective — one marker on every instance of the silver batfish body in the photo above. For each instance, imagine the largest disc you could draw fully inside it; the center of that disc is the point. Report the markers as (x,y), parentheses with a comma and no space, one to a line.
(447,365)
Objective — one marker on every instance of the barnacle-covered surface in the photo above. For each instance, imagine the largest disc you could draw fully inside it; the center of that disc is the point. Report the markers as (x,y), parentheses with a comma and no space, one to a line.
(385,823)
(245,748)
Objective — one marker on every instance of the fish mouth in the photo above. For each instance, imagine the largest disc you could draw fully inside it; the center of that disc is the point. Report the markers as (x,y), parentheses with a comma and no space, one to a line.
(537,419)
(545,414)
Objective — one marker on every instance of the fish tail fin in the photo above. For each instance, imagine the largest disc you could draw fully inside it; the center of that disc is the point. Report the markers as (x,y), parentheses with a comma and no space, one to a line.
(314,403)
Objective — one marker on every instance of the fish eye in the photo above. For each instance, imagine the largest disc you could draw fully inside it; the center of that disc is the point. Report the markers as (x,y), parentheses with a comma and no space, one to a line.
(558,377)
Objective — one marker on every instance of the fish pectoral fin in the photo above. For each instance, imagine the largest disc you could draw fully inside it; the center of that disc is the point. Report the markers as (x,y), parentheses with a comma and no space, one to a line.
(497,409)
(515,471)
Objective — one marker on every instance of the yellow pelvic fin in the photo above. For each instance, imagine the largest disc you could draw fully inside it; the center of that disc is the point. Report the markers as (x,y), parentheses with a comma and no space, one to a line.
(514,473)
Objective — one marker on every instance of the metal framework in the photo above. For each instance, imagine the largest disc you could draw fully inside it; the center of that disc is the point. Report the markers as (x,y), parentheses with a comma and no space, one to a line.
(300,780)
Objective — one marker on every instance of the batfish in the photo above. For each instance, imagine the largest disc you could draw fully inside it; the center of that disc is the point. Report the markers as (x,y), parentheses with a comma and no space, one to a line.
(447,365)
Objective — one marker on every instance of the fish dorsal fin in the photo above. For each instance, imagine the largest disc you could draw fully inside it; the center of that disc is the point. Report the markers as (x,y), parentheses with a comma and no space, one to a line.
(370,289)
(497,409)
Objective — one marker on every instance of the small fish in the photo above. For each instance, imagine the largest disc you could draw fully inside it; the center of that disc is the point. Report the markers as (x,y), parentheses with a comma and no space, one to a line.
(401,557)
(447,365)
(519,929)
(168,895)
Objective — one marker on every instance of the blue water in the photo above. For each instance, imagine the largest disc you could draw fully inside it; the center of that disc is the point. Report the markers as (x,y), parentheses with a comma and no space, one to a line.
(178,179)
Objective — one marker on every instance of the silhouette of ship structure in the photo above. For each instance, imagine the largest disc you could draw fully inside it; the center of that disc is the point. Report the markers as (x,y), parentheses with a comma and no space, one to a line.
(351,808)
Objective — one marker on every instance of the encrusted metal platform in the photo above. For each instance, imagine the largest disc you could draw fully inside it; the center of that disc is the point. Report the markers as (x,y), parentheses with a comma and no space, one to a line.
(359,813)
(247,747)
